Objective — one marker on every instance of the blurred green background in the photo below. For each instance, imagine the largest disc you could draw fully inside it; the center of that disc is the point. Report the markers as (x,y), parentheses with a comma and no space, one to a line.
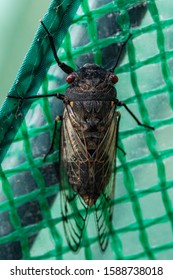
(19,20)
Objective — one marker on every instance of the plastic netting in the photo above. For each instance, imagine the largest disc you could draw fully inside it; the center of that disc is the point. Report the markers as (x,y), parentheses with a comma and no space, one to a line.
(30,217)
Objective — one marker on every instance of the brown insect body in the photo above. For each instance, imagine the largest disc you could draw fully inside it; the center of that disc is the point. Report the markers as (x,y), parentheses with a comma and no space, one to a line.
(88,150)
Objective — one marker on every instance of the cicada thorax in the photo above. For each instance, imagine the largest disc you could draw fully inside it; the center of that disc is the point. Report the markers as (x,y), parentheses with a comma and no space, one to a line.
(88,129)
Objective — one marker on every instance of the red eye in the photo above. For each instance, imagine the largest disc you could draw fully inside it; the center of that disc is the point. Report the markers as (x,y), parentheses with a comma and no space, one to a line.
(70,78)
(114,78)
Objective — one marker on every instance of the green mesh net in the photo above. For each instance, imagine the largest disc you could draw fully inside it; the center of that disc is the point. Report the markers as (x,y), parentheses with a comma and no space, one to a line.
(30,216)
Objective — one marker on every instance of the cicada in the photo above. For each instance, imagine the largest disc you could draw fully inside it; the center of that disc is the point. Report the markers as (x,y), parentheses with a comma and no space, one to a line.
(89,133)
(88,148)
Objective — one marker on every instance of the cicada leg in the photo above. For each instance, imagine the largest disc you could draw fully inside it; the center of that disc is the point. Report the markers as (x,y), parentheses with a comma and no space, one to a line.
(120,103)
(51,149)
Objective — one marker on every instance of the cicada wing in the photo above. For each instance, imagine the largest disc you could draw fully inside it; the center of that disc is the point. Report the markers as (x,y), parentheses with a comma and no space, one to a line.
(103,205)
(74,210)
(73,155)
(103,214)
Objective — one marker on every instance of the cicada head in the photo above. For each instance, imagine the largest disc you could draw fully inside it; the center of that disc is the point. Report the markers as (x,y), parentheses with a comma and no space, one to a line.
(91,78)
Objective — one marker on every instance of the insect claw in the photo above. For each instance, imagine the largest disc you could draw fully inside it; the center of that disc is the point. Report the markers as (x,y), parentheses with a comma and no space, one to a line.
(15,97)
(147,126)
(49,152)
(44,159)
(121,150)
